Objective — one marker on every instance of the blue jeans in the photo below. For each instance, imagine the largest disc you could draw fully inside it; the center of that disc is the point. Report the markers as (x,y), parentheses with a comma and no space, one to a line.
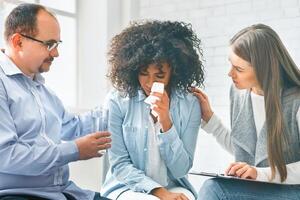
(229,189)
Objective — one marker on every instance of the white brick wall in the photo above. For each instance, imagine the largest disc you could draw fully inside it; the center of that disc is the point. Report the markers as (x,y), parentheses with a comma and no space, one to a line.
(215,21)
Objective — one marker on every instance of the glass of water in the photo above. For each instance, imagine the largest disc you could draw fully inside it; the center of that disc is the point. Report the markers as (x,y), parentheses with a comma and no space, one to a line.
(100,123)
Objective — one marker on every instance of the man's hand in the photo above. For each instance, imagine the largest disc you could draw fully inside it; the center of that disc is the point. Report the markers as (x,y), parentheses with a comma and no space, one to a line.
(164,194)
(90,144)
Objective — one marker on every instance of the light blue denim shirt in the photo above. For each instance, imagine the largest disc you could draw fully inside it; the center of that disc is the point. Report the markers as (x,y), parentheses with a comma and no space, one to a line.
(128,123)
(33,123)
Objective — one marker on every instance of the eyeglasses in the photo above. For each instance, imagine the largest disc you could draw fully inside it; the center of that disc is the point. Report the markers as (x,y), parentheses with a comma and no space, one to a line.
(50,44)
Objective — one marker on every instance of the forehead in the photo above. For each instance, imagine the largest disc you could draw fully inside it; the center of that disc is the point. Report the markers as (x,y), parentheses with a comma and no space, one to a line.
(236,60)
(154,68)
(47,25)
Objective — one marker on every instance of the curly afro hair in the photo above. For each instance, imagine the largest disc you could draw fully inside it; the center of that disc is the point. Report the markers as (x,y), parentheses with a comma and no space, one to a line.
(155,42)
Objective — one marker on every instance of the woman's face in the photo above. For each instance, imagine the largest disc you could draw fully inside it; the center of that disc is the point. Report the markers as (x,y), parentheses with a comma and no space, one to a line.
(241,72)
(148,75)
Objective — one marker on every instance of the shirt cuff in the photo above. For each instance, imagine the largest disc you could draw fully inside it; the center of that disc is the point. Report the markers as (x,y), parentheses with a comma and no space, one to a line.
(147,186)
(68,152)
(169,135)
(262,174)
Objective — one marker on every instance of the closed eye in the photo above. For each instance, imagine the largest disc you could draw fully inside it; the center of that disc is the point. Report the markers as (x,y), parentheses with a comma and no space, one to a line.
(160,76)
(143,74)
(239,69)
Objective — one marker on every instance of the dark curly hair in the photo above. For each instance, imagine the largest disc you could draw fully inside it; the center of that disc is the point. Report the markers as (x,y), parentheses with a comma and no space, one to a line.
(156,42)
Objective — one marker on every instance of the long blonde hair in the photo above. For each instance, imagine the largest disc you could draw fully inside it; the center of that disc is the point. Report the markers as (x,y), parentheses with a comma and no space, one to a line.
(275,71)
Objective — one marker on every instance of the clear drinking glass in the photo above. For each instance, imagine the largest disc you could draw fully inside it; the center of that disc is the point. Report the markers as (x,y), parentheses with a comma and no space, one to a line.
(100,123)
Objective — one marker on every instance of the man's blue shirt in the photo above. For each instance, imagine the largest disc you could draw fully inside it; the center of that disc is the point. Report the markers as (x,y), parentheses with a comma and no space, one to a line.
(32,126)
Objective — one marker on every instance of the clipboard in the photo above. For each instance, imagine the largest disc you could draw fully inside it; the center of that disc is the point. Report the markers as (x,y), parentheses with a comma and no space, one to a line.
(216,175)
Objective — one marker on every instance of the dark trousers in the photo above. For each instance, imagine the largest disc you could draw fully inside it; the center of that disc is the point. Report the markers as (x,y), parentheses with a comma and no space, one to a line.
(28,197)
(98,197)
(21,197)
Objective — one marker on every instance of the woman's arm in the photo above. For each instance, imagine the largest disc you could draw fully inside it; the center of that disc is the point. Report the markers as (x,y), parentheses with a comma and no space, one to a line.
(293,174)
(211,123)
(177,149)
(219,131)
(244,170)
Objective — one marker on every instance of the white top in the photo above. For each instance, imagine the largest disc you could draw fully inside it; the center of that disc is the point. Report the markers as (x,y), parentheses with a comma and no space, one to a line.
(156,168)
(258,107)
(222,135)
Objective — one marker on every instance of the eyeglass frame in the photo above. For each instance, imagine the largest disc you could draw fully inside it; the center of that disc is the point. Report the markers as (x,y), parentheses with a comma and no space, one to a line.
(49,44)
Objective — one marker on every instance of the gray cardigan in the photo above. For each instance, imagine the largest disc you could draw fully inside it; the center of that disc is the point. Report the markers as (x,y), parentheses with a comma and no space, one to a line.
(246,146)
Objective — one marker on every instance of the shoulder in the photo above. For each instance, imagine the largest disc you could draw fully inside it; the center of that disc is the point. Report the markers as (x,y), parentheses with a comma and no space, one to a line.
(5,83)
(118,102)
(117,97)
(183,96)
(187,101)
(291,97)
(238,96)
(190,98)
(291,93)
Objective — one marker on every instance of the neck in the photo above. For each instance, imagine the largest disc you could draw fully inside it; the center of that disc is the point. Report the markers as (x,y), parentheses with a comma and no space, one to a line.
(257,90)
(17,61)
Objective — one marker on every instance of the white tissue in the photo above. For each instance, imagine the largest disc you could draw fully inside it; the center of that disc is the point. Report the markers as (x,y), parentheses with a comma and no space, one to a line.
(156,87)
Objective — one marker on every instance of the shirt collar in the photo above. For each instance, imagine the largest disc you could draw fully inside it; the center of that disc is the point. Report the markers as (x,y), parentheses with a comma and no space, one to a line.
(10,69)
(39,78)
(141,95)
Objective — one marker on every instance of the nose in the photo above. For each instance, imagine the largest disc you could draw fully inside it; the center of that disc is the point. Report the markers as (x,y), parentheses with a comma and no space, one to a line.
(149,82)
(230,73)
(54,52)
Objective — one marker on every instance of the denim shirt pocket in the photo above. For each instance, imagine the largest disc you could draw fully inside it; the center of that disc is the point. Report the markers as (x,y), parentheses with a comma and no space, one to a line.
(130,134)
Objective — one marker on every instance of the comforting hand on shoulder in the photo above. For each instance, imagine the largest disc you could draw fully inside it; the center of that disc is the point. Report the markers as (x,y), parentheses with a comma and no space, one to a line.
(206,111)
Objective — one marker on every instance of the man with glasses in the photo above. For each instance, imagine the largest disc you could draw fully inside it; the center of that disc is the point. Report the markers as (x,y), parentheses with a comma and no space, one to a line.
(34,161)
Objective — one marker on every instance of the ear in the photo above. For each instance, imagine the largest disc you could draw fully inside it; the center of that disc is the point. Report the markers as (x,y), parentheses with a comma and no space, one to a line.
(16,41)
